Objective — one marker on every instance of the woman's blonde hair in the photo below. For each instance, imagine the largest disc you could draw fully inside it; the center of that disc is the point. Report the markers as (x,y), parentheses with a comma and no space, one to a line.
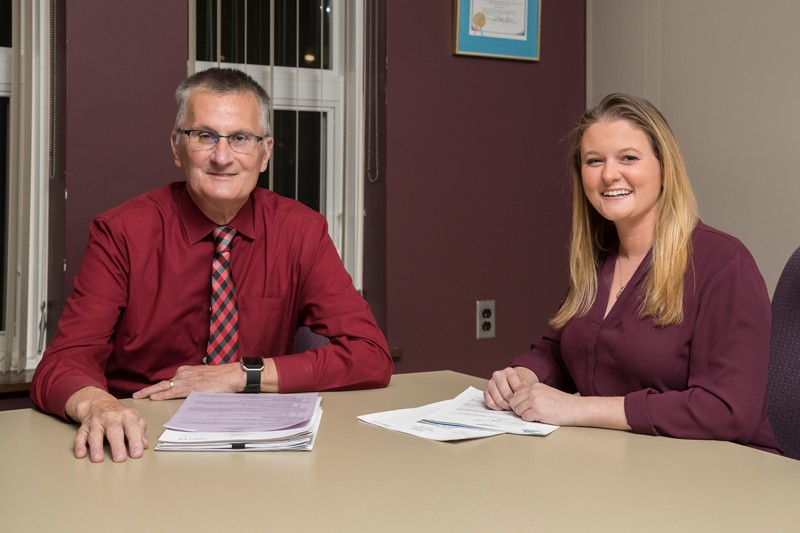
(592,235)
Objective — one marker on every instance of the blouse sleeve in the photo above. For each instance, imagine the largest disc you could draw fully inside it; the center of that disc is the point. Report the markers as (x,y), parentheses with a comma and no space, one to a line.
(725,398)
(544,359)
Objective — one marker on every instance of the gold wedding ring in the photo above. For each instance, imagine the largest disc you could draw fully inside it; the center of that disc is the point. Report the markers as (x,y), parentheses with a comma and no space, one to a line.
(171,384)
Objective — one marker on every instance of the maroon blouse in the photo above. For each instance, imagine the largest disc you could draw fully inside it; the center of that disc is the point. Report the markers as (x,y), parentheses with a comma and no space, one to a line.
(705,378)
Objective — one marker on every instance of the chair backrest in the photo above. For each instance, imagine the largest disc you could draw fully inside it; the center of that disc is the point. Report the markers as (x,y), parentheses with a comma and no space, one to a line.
(784,362)
(305,339)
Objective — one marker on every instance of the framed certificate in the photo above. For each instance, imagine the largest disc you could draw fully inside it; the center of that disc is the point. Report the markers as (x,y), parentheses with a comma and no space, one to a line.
(498,28)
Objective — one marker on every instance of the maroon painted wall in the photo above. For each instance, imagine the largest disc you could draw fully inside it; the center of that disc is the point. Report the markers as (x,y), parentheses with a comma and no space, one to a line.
(477,194)
(123,61)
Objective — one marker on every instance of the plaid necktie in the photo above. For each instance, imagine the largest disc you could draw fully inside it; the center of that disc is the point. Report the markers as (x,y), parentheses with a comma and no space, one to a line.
(223,339)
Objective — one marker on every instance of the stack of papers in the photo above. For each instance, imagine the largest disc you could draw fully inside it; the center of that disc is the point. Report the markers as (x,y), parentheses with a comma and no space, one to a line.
(464,417)
(243,422)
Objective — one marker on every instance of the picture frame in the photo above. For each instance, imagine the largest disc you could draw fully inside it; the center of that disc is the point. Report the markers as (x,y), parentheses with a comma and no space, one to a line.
(498,28)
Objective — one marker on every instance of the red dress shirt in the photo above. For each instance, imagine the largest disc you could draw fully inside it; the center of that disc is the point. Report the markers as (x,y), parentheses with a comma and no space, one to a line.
(705,378)
(140,308)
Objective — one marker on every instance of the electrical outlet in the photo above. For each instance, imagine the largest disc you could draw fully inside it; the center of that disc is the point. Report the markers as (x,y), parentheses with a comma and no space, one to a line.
(485,319)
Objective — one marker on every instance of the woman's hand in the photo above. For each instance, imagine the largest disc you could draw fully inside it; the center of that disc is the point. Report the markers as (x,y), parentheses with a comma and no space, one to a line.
(541,403)
(504,384)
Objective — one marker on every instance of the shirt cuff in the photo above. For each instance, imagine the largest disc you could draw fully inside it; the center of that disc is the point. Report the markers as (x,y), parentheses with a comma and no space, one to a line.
(637,414)
(295,373)
(57,399)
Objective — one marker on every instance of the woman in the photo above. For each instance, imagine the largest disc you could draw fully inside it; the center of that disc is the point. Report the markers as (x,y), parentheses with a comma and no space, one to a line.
(666,326)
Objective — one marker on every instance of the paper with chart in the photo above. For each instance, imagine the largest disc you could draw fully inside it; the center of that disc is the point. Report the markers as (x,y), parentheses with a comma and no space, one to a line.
(409,421)
(463,417)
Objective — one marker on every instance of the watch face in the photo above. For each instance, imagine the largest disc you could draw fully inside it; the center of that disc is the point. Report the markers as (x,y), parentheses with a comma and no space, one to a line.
(252,362)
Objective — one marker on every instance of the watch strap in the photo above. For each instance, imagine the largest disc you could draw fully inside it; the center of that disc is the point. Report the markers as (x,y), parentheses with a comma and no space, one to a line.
(253,367)
(253,384)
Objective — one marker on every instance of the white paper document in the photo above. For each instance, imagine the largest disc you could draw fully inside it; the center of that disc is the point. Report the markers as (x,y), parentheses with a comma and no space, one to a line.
(409,421)
(468,409)
(208,411)
(503,19)
(463,417)
(298,437)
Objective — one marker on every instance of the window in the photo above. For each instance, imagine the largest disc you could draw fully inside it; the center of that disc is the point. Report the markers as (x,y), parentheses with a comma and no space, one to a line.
(300,27)
(24,70)
(5,23)
(305,54)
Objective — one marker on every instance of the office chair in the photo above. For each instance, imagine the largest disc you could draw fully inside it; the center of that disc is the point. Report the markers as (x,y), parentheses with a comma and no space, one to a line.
(784,362)
(305,339)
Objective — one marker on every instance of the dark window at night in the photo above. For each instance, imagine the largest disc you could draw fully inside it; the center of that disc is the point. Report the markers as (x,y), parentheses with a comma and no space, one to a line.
(308,41)
(298,158)
(5,23)
(288,166)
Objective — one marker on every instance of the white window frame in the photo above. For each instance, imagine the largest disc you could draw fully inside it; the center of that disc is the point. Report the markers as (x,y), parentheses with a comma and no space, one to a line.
(5,71)
(338,92)
(25,78)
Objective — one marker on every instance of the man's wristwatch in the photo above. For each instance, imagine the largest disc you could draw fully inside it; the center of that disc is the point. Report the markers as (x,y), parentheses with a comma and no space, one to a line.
(253,366)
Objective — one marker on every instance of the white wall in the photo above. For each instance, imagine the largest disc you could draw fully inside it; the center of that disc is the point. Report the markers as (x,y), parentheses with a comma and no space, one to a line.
(726,74)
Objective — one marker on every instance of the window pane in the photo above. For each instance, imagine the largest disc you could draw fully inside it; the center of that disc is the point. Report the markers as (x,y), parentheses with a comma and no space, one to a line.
(258,32)
(304,161)
(206,30)
(5,23)
(313,39)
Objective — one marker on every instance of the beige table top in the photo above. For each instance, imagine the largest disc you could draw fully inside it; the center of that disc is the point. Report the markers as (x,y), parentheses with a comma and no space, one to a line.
(365,478)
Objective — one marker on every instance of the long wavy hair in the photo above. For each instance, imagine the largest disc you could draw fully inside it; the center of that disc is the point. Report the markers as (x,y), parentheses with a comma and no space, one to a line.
(593,235)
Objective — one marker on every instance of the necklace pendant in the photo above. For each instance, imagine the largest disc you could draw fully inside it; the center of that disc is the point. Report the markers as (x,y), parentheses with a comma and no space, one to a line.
(620,292)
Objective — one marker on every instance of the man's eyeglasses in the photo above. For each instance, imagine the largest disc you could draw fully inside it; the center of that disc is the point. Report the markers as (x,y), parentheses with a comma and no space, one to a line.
(242,143)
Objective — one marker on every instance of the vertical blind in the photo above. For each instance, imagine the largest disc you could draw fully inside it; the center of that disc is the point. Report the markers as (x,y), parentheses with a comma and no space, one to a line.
(24,306)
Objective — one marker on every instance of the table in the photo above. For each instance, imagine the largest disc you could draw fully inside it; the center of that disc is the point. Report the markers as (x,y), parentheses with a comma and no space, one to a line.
(365,478)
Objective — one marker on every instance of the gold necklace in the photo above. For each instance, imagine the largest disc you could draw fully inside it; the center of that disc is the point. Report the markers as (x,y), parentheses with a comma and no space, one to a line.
(622,285)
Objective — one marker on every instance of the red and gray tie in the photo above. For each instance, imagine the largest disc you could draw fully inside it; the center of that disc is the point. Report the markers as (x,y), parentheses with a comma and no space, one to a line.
(223,339)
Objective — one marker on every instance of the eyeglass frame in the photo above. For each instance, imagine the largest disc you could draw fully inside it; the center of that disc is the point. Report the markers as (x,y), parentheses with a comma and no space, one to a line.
(217,136)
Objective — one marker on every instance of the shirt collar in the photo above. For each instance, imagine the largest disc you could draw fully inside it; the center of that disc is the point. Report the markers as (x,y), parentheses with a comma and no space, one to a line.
(198,226)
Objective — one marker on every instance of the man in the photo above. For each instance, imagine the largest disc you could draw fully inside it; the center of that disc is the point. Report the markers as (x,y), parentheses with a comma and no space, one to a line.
(146,312)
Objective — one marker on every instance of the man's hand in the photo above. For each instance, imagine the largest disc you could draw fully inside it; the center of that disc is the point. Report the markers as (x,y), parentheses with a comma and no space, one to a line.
(201,378)
(504,384)
(103,417)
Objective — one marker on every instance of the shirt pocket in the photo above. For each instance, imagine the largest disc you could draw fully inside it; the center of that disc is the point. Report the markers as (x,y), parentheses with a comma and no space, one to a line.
(266,326)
